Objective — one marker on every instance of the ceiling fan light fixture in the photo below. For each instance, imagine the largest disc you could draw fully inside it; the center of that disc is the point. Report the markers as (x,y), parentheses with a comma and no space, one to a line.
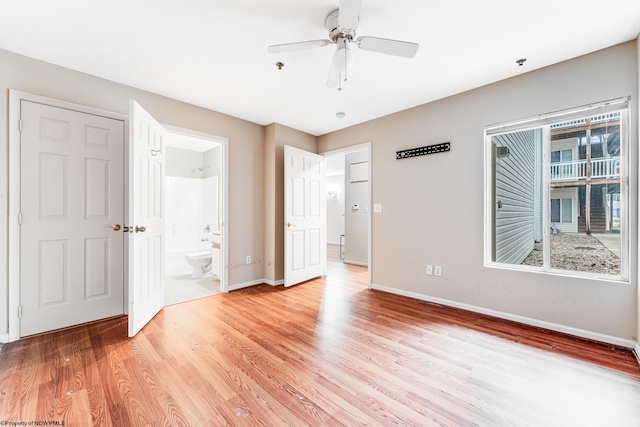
(342,59)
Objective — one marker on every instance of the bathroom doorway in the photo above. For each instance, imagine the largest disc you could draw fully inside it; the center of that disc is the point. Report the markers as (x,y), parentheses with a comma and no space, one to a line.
(193,217)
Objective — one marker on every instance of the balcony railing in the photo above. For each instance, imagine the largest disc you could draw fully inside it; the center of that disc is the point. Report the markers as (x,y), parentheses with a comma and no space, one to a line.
(605,167)
(582,122)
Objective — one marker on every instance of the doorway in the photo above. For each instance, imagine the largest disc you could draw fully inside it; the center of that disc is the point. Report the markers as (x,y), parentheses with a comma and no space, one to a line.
(193,216)
(348,212)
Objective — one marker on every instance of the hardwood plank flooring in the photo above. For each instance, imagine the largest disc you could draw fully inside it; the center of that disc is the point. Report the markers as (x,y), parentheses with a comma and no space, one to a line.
(327,352)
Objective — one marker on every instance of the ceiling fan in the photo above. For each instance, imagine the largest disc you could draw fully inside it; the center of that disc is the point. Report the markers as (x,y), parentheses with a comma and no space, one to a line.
(342,25)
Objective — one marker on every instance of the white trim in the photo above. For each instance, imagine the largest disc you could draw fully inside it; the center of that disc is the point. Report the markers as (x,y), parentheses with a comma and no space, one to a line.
(582,333)
(13,254)
(13,242)
(4,338)
(248,284)
(369,147)
(363,264)
(224,143)
(636,351)
(273,282)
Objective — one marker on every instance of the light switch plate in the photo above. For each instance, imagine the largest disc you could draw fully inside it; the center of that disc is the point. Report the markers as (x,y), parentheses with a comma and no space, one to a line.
(429,269)
(377,208)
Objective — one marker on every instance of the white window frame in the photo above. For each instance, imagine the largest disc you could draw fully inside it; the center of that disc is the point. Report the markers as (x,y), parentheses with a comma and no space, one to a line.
(544,122)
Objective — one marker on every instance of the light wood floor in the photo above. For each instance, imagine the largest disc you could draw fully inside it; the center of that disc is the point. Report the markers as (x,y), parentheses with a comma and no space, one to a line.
(326,352)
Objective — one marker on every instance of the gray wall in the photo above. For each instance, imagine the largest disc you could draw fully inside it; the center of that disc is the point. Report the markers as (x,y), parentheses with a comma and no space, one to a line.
(433,206)
(276,137)
(356,222)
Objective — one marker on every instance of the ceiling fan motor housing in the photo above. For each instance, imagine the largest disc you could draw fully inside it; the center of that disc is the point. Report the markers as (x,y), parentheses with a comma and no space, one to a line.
(335,32)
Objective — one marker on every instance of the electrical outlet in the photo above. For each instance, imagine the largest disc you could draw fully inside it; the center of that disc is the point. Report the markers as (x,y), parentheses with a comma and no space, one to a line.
(438,270)
(429,269)
(248,259)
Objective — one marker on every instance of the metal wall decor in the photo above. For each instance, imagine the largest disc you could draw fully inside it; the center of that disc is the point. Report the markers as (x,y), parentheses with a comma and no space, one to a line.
(423,151)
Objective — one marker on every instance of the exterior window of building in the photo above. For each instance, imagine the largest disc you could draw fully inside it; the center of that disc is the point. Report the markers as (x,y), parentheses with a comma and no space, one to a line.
(561,210)
(556,192)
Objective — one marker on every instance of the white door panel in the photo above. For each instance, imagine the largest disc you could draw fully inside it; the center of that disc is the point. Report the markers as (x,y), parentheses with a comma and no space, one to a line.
(146,218)
(71,259)
(304,215)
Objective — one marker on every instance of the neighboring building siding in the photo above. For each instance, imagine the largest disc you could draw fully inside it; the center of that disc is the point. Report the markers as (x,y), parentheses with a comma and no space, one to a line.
(566,144)
(515,190)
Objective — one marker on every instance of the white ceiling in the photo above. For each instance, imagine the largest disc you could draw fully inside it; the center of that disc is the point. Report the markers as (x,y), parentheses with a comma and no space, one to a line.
(213,53)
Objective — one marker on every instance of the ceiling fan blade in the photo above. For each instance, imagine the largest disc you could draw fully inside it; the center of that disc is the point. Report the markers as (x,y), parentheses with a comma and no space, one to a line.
(388,46)
(334,77)
(290,47)
(348,15)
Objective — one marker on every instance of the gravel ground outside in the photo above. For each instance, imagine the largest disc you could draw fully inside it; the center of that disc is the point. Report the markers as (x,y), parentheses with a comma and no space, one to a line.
(577,252)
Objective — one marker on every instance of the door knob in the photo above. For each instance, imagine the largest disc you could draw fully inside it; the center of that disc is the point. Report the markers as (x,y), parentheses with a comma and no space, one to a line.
(140,229)
(290,225)
(115,227)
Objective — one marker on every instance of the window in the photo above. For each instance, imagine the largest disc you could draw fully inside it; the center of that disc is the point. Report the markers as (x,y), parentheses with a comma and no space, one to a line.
(557,194)
(561,210)
(561,156)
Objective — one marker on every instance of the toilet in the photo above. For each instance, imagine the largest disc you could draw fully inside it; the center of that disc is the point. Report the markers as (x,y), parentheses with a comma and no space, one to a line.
(200,262)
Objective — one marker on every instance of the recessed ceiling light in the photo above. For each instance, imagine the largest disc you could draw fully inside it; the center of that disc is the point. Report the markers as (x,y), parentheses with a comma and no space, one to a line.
(340,115)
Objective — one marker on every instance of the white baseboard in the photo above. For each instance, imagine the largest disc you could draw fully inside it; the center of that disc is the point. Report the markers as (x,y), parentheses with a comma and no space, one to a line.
(347,261)
(255,282)
(582,333)
(4,338)
(636,350)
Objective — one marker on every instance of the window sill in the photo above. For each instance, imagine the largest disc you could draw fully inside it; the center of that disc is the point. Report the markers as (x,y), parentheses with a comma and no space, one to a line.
(560,273)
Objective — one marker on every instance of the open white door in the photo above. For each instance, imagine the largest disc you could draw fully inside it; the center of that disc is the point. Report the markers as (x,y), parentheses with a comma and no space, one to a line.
(146,217)
(304,215)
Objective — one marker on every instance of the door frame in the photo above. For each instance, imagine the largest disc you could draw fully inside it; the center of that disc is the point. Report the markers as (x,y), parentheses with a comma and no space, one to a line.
(346,150)
(13,238)
(224,212)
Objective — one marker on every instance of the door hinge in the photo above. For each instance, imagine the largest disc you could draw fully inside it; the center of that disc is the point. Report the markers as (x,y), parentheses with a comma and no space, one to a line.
(20,125)
(20,218)
(19,311)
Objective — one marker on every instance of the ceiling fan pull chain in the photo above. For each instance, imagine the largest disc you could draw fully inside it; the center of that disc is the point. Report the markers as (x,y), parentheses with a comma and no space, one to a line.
(340,82)
(345,62)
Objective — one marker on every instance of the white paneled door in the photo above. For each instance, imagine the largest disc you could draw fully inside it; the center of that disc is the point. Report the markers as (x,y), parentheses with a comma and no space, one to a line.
(72,183)
(146,217)
(304,215)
